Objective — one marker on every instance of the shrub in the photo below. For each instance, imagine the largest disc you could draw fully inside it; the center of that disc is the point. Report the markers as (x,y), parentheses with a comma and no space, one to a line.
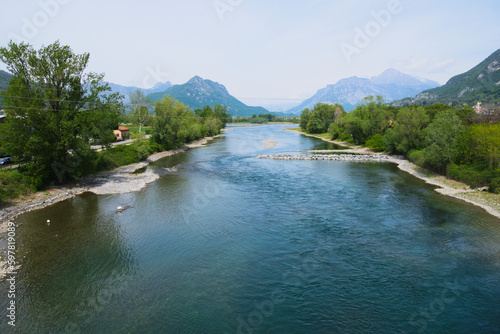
(346,137)
(495,185)
(417,157)
(473,175)
(12,184)
(376,143)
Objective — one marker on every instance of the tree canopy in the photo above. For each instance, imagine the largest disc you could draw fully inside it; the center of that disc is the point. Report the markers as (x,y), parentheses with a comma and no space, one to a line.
(54,110)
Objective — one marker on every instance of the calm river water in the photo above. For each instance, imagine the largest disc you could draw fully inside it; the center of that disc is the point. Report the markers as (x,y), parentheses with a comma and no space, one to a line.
(226,243)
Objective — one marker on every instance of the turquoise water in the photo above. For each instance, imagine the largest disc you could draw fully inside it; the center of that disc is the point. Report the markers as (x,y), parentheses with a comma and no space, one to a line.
(233,244)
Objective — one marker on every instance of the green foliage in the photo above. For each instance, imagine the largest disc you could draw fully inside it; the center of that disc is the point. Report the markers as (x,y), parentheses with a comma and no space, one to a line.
(12,185)
(495,185)
(304,119)
(365,121)
(417,157)
(53,111)
(320,118)
(376,143)
(121,155)
(406,133)
(218,111)
(475,175)
(4,83)
(175,124)
(480,143)
(441,140)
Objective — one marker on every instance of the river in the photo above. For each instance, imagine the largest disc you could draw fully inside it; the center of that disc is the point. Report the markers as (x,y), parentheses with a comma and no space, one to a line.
(227,243)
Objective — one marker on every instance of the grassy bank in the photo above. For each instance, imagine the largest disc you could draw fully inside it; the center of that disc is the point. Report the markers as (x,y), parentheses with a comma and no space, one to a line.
(14,185)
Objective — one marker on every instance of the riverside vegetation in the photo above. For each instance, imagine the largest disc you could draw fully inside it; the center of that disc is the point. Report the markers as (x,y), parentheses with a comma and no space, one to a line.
(456,142)
(55,112)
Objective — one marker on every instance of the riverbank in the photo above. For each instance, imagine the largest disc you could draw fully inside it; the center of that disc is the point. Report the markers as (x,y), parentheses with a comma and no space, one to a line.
(120,180)
(485,200)
(117,181)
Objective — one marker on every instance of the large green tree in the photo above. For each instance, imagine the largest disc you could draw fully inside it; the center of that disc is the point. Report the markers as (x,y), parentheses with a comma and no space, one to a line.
(407,132)
(54,110)
(441,137)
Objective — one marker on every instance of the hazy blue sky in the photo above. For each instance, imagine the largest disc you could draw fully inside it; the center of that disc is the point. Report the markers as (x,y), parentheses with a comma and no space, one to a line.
(261,48)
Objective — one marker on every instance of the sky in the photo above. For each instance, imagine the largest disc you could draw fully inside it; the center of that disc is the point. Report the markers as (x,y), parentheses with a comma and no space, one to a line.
(264,51)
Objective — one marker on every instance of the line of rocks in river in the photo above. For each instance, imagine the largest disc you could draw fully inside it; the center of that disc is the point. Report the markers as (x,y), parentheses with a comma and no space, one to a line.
(335,157)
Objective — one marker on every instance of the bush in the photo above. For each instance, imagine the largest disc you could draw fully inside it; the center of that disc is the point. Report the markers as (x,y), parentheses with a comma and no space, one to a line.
(12,184)
(121,155)
(417,157)
(346,137)
(376,143)
(473,175)
(495,185)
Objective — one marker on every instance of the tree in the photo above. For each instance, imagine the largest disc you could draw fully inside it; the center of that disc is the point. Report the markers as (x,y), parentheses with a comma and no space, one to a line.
(140,108)
(304,119)
(406,133)
(441,139)
(484,144)
(53,111)
(172,123)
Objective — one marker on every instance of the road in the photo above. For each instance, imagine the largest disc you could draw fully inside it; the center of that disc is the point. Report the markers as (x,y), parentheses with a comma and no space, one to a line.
(94,147)
(124,142)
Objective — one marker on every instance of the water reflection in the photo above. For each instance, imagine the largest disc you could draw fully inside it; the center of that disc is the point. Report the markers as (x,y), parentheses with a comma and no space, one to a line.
(74,264)
(221,232)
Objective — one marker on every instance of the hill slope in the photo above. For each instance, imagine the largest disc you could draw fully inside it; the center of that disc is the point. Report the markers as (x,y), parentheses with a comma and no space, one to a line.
(391,84)
(480,84)
(198,92)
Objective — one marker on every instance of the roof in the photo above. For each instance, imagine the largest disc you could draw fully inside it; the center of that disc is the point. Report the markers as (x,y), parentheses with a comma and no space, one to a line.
(123,128)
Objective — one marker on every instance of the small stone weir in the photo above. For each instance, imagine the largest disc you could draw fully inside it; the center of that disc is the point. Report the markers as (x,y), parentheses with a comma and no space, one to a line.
(331,157)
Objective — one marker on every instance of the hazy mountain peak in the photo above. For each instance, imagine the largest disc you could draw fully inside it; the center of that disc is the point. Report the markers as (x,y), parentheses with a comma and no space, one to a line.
(349,92)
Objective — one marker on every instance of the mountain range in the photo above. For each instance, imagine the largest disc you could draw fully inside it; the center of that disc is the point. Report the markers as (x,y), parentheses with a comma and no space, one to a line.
(126,90)
(198,92)
(479,84)
(391,85)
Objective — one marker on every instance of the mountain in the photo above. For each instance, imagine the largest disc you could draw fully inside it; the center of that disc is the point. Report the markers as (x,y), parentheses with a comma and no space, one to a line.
(198,92)
(480,84)
(391,85)
(126,90)
(4,82)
